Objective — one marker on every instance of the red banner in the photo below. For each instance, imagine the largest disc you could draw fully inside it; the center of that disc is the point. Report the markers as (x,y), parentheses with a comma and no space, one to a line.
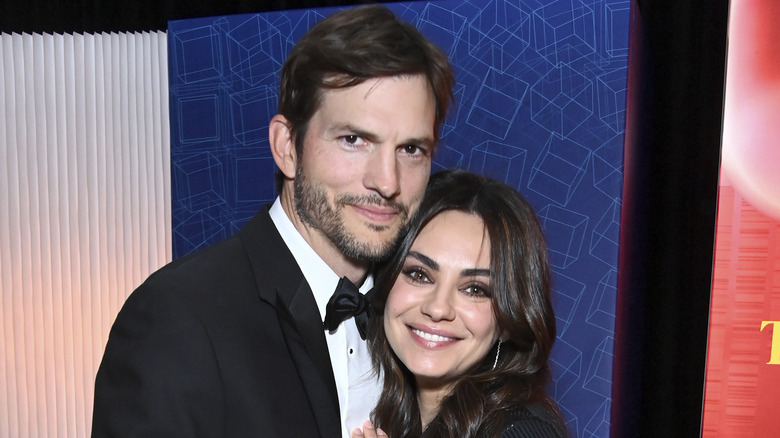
(743,357)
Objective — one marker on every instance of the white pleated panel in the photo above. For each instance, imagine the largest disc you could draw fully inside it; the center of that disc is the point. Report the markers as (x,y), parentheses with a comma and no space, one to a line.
(84,212)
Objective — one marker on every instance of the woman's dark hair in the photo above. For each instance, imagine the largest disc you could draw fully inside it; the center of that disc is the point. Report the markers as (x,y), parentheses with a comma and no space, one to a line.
(520,284)
(350,47)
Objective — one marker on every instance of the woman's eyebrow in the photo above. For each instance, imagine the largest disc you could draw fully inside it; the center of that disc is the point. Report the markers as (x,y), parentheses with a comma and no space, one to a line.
(424,259)
(475,272)
(430,263)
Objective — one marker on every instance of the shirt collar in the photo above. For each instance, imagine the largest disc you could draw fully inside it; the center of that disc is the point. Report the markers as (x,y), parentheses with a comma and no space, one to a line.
(321,278)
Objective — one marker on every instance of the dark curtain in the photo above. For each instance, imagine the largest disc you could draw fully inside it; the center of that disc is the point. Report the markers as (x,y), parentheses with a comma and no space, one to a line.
(676,77)
(66,16)
(676,83)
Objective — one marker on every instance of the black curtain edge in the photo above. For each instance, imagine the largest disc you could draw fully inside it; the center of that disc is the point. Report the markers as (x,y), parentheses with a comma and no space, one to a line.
(105,16)
(676,79)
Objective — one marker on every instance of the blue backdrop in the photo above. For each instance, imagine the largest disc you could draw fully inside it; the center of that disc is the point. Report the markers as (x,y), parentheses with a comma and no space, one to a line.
(541,98)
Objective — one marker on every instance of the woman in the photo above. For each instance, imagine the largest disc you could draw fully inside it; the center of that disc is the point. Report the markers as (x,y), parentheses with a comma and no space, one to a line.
(462,324)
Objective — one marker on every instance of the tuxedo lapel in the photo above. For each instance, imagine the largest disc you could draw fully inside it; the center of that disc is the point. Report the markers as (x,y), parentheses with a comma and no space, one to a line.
(309,350)
(280,283)
(304,311)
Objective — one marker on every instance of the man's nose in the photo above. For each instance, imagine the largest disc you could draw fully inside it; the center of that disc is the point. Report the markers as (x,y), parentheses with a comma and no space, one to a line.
(382,173)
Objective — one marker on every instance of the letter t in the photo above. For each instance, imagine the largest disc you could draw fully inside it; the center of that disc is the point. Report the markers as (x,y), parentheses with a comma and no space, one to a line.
(774,355)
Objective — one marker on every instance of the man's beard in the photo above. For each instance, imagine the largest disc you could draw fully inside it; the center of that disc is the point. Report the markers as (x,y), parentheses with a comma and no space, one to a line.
(313,208)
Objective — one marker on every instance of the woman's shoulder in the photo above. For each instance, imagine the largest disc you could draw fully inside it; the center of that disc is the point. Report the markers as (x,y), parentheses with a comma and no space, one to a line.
(533,420)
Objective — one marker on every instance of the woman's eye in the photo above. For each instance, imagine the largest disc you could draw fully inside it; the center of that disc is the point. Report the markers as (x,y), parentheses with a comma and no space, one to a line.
(416,275)
(477,290)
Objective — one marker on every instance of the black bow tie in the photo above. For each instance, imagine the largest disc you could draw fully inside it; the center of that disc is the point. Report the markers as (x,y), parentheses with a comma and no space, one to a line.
(347,301)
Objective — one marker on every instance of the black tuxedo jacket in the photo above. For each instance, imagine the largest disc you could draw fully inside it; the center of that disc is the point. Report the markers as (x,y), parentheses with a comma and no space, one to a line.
(227,342)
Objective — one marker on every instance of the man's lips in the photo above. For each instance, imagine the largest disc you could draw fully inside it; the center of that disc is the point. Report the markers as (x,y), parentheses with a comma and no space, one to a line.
(376,213)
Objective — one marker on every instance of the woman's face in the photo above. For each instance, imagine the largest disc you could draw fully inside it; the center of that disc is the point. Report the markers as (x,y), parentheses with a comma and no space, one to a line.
(439,314)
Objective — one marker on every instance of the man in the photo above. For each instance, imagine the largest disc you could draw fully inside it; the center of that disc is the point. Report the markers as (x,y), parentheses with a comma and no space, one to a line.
(230,341)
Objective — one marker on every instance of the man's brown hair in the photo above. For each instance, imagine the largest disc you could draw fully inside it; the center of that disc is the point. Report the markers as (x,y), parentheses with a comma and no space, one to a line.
(350,47)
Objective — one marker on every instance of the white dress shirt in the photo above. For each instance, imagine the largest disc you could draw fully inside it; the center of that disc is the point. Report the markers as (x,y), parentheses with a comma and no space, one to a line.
(358,387)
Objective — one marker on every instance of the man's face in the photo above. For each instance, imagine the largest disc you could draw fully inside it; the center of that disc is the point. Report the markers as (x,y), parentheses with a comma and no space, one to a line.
(365,163)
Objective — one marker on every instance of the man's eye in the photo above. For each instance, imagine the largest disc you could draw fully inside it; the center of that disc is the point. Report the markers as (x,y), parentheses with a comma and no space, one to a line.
(352,141)
(413,149)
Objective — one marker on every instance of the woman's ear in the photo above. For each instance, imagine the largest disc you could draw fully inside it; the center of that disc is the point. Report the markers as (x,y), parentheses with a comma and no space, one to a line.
(282,145)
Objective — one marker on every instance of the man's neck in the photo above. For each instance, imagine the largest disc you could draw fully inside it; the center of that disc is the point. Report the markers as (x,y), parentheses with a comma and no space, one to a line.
(342,265)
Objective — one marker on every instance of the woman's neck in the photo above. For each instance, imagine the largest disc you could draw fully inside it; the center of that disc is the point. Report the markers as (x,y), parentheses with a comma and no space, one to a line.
(429,400)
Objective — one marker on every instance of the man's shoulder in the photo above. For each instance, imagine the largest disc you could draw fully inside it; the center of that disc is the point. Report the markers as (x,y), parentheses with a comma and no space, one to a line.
(232,276)
(194,279)
(205,260)
(220,259)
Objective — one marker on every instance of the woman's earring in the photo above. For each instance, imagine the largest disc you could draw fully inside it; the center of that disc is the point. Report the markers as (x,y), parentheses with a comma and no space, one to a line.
(498,350)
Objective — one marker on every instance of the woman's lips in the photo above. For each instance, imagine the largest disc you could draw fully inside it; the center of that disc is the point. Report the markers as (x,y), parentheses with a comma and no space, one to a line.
(431,338)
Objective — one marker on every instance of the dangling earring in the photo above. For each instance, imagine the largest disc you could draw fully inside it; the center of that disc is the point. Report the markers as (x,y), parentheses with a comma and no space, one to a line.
(498,350)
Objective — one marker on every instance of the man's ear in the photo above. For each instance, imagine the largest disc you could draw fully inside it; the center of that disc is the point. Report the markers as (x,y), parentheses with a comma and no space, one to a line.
(282,145)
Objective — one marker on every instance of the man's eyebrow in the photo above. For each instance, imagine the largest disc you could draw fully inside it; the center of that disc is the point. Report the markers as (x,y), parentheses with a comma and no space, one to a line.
(370,136)
(353,130)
